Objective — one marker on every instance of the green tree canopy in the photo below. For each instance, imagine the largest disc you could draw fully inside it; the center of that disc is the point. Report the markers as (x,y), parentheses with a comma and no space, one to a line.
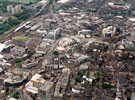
(56,53)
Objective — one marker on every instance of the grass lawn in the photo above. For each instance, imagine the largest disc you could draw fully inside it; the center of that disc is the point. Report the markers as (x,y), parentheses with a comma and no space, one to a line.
(21,38)
(23,1)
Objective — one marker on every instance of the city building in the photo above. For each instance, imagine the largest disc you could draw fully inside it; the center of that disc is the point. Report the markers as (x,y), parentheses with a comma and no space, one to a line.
(15,79)
(14,10)
(34,84)
(37,80)
(46,88)
(61,86)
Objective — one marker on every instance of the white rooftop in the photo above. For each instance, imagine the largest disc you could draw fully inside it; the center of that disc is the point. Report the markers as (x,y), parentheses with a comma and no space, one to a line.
(63,1)
(75,91)
(2,46)
(32,89)
(132,19)
(1,56)
(38,78)
(117,99)
(13,99)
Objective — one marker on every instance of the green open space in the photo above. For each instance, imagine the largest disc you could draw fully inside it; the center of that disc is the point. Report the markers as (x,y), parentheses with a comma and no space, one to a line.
(21,38)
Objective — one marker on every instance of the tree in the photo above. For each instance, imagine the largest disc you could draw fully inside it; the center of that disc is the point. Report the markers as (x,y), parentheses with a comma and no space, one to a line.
(108,86)
(56,53)
(98,76)
(17,61)
(16,95)
(70,50)
(129,12)
(78,79)
(81,73)
(8,24)
(25,14)
(128,98)
(97,84)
